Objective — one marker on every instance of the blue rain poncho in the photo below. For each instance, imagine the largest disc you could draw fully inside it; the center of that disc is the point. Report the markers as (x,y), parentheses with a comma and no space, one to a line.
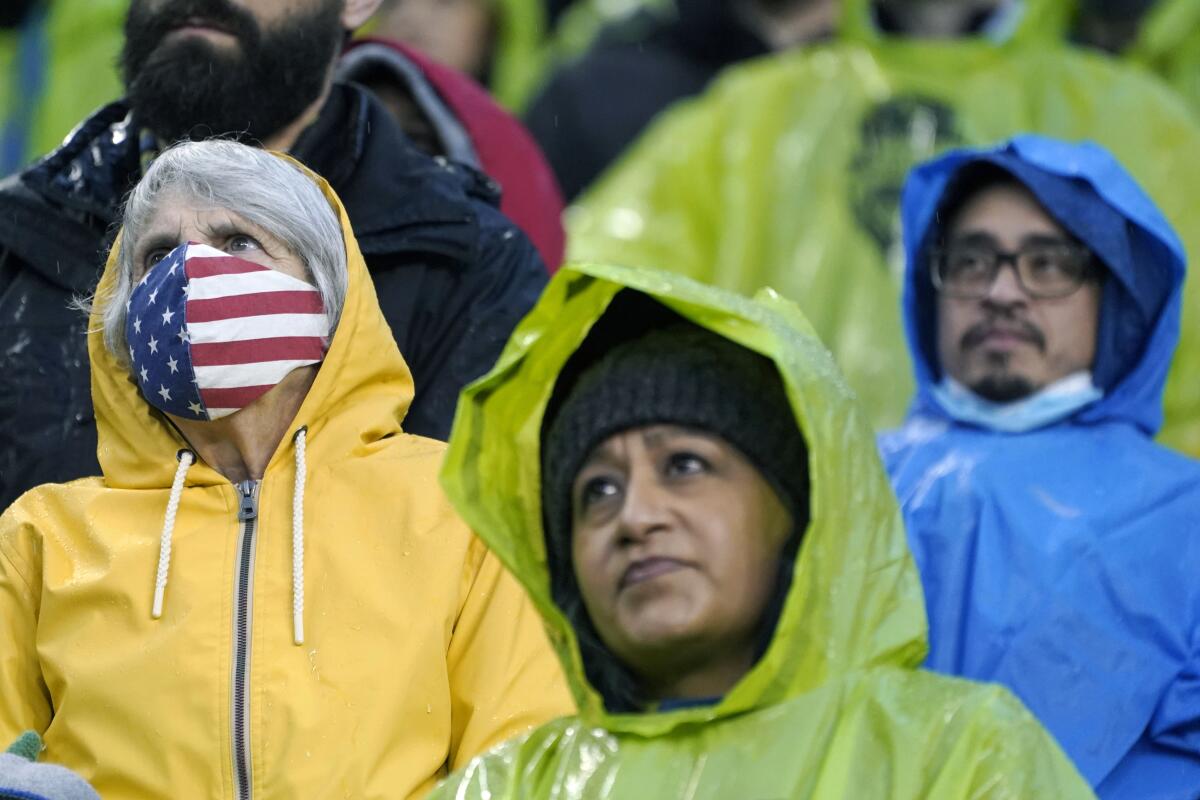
(1065,562)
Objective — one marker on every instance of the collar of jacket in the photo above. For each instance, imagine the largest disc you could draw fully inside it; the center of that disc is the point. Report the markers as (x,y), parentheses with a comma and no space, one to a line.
(56,214)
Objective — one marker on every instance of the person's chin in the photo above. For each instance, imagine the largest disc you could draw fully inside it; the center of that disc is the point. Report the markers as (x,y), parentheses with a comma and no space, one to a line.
(1003,386)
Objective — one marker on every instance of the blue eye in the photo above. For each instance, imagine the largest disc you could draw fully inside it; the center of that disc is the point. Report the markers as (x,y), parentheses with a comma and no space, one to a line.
(241,243)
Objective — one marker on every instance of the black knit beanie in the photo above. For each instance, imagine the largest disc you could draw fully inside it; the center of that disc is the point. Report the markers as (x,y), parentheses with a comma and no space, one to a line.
(646,365)
(678,375)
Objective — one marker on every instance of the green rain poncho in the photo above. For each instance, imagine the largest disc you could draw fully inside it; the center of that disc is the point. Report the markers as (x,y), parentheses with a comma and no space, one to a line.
(787,173)
(1169,44)
(836,707)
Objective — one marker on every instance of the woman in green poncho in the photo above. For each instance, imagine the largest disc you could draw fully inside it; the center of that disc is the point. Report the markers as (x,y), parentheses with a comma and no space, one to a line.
(687,489)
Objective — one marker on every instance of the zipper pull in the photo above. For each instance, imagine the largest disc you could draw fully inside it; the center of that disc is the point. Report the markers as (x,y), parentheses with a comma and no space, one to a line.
(248,508)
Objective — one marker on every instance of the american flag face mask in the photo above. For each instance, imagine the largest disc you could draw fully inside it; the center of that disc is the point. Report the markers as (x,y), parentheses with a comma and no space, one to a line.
(210,333)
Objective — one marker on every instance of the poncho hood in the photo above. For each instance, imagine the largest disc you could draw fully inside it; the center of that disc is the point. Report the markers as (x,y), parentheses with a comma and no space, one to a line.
(1084,188)
(855,599)
(363,371)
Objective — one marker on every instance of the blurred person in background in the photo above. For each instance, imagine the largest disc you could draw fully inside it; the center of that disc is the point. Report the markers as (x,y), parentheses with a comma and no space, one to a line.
(445,113)
(453,274)
(264,594)
(502,44)
(787,172)
(687,490)
(57,65)
(593,108)
(1057,543)
(1160,35)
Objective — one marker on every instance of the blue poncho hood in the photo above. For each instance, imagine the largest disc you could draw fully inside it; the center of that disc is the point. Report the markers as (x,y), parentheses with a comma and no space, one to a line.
(1084,188)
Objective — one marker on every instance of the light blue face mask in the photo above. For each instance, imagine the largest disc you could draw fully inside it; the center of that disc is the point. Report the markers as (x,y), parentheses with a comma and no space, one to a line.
(1051,404)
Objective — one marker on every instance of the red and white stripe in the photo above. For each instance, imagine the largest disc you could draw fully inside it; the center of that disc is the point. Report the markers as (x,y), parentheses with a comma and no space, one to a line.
(249,326)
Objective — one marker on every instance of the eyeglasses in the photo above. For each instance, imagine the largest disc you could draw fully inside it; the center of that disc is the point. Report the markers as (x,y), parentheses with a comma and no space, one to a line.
(1044,270)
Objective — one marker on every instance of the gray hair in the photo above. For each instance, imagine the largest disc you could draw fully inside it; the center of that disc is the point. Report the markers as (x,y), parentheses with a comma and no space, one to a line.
(261,188)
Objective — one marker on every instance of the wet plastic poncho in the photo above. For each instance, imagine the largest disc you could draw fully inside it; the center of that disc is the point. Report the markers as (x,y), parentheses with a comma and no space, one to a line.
(419,649)
(1063,562)
(787,173)
(835,708)
(1169,44)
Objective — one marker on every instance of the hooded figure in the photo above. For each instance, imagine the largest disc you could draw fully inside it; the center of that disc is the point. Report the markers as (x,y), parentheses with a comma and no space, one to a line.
(1056,541)
(833,704)
(330,628)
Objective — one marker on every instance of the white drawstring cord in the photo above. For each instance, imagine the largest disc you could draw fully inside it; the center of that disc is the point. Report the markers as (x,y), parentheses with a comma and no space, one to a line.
(186,459)
(299,440)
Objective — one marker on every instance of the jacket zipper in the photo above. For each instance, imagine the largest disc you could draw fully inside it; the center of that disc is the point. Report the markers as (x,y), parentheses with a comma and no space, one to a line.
(243,606)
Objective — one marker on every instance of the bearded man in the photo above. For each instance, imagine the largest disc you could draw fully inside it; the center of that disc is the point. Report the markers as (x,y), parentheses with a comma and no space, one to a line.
(452,274)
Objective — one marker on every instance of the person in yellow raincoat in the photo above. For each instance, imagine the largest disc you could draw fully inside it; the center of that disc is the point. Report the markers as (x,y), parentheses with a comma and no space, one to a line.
(828,700)
(266,594)
(787,172)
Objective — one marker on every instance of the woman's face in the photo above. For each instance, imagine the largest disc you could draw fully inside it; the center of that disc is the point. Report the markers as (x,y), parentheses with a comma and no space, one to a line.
(676,545)
(179,220)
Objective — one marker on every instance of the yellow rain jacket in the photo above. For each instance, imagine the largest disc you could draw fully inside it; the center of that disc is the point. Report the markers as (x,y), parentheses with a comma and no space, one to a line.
(836,708)
(787,173)
(419,650)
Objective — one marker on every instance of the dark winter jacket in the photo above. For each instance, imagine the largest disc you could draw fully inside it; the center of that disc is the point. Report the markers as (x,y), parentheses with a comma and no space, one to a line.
(591,110)
(453,275)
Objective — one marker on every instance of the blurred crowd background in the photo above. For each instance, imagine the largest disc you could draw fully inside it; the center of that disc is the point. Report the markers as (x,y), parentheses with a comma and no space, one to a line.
(735,140)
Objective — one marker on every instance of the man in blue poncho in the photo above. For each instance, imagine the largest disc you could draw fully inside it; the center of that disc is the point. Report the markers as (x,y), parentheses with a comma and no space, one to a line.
(1059,546)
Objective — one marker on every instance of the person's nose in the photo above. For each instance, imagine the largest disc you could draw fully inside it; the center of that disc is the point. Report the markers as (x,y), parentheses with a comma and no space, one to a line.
(645,509)
(1006,289)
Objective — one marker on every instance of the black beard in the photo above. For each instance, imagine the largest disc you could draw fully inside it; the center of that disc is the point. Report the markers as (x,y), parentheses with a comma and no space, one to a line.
(1003,388)
(194,89)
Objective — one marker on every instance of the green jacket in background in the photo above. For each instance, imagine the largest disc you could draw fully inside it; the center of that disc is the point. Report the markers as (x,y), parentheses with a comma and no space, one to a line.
(1169,45)
(787,173)
(57,68)
(836,707)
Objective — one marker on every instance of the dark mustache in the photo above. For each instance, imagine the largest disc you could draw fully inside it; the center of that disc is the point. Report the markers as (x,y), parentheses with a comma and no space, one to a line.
(975,335)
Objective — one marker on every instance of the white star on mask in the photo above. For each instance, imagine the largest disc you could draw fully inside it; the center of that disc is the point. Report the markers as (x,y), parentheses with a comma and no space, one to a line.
(166,315)
(137,326)
(153,344)
(174,365)
(165,392)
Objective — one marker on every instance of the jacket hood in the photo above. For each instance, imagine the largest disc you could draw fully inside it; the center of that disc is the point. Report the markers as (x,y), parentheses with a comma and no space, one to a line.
(1014,21)
(855,599)
(363,372)
(1094,198)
